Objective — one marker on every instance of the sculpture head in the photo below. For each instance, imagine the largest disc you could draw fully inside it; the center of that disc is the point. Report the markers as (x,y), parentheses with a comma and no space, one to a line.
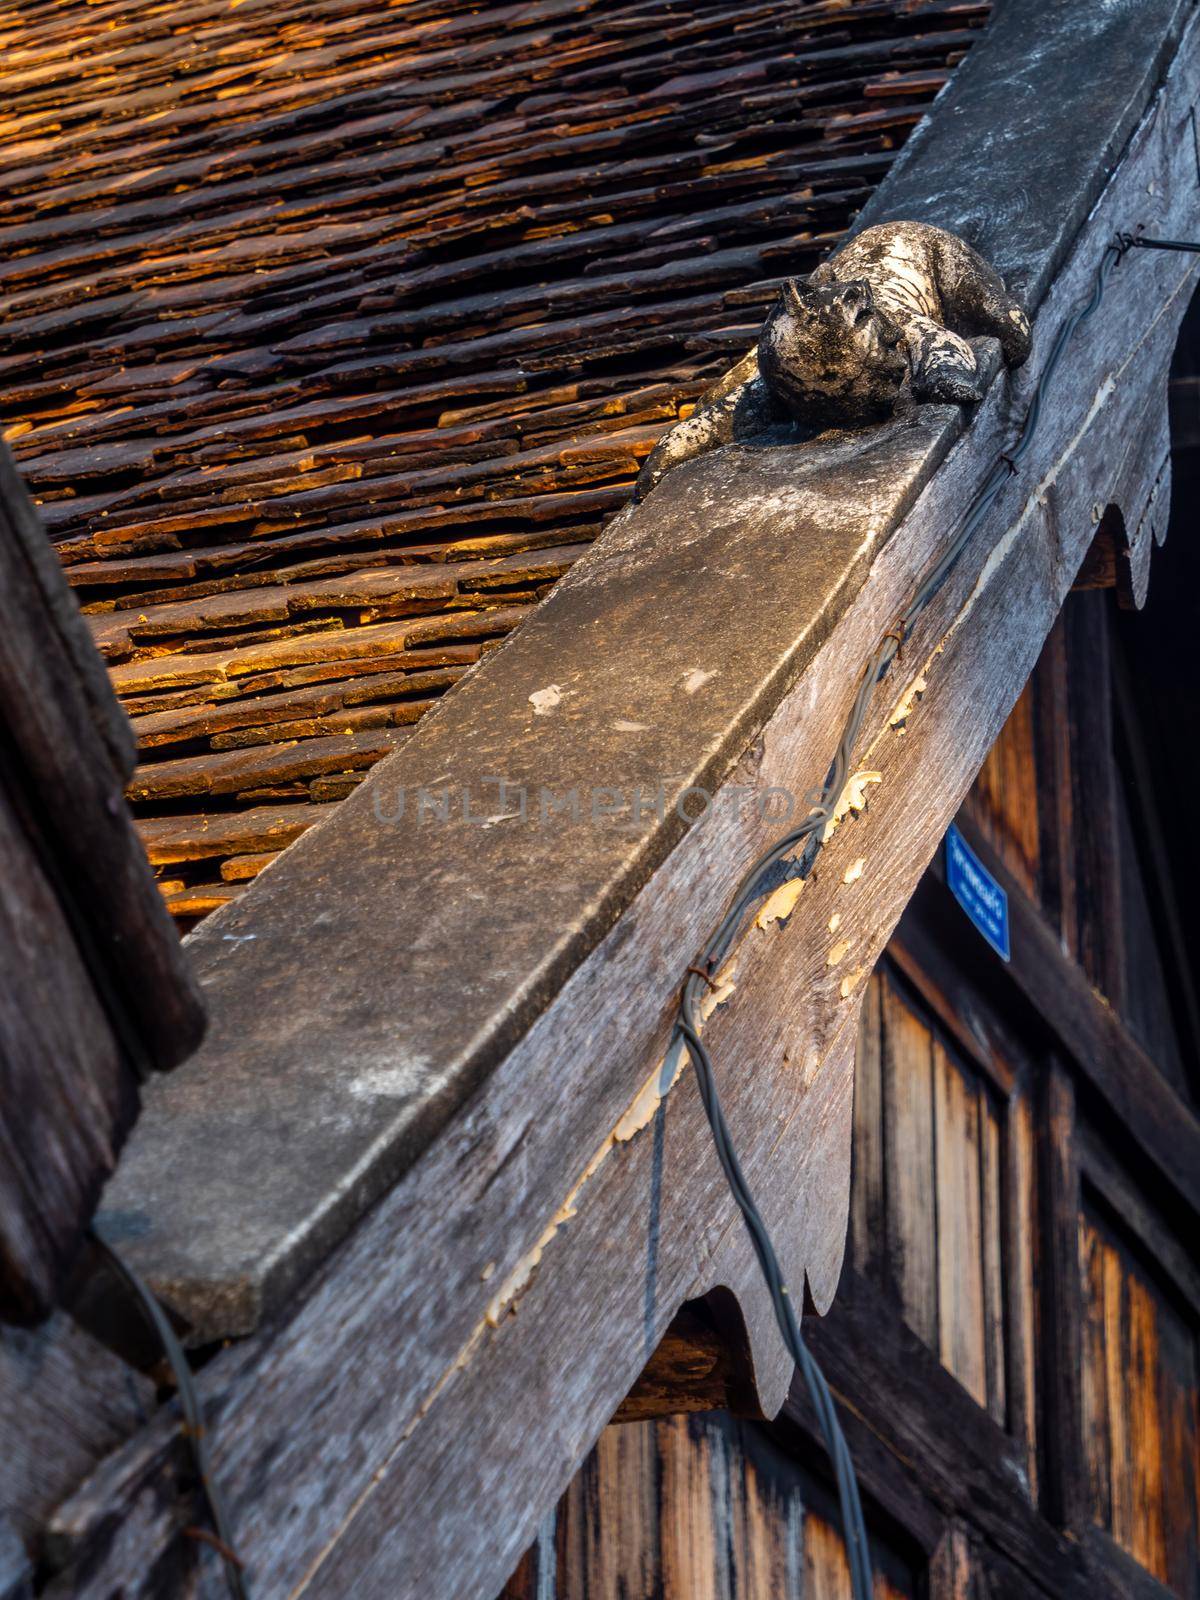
(831,356)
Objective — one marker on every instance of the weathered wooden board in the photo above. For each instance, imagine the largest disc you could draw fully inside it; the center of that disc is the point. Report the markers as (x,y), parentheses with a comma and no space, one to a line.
(927,1455)
(867,1190)
(64,1400)
(413,1338)
(16,1570)
(522,959)
(1163,1127)
(705,1508)
(694,1367)
(908,1168)
(999,798)
(928,1227)
(1138,1409)
(1059,1182)
(68,1094)
(94,990)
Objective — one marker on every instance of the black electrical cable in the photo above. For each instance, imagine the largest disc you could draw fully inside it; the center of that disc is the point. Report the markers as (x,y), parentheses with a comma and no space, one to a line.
(1135,241)
(759,879)
(193,1418)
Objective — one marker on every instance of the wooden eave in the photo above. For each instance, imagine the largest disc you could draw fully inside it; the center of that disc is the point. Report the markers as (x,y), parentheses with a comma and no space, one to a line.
(428,1165)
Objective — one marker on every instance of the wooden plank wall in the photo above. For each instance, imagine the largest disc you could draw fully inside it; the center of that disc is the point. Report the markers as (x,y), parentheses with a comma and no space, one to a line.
(999,800)
(694,1508)
(933,1138)
(1067,820)
(1141,1429)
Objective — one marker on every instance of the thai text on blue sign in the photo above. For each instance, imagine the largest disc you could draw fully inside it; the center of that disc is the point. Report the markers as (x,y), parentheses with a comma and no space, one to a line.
(977,892)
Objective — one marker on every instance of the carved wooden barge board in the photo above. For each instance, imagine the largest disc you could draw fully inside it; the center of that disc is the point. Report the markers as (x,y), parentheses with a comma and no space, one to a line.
(458,1299)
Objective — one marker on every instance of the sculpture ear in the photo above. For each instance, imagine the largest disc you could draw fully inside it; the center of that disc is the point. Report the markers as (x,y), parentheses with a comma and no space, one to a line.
(795,297)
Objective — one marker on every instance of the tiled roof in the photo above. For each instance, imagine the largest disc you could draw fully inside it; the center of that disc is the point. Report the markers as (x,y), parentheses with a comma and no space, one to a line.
(332,335)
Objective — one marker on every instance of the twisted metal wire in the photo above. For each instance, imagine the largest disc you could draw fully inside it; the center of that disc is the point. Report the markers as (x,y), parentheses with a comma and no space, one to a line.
(760,878)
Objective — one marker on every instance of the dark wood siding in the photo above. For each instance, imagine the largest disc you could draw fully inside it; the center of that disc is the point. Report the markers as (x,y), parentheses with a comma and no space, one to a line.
(704,1507)
(931,1142)
(1139,1408)
(999,801)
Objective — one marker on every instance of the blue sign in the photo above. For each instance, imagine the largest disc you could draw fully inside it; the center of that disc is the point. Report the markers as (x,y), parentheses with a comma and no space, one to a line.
(977,892)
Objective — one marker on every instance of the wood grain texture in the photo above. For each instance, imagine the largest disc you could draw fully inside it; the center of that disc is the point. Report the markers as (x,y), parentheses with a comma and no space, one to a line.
(951,1573)
(1094,1390)
(1151,1226)
(16,1570)
(868,1210)
(1000,798)
(962,1337)
(992,1229)
(1023,1274)
(65,1401)
(924,1449)
(694,1507)
(953,1255)
(909,1179)
(67,1093)
(1116,1066)
(1062,1438)
(694,1368)
(61,774)
(1139,1402)
(1052,763)
(436,1072)
(95,991)
(1099,936)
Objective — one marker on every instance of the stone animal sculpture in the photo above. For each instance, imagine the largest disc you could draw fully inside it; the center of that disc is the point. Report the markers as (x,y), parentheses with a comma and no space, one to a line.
(884,323)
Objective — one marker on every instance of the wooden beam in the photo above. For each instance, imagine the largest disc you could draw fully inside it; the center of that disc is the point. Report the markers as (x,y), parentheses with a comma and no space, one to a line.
(1101,1552)
(16,1570)
(73,751)
(551,1198)
(694,1367)
(1125,1196)
(1052,763)
(1099,929)
(1065,1484)
(952,1570)
(68,1095)
(618,641)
